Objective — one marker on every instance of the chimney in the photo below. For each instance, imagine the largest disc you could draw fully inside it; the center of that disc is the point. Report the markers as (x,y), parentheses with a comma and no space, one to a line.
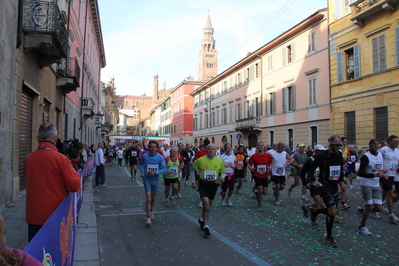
(155,89)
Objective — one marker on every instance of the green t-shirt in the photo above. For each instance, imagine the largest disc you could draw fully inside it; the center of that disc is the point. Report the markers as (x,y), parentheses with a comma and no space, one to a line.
(210,170)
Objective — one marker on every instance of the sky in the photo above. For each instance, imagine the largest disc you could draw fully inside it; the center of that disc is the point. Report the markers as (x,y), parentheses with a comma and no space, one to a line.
(143,38)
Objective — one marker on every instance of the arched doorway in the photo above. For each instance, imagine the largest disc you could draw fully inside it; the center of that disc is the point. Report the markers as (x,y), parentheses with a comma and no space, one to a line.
(201,142)
(252,140)
(224,140)
(213,140)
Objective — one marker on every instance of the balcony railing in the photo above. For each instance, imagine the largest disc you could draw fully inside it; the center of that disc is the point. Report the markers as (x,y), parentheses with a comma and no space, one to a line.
(251,123)
(68,74)
(369,8)
(88,106)
(45,30)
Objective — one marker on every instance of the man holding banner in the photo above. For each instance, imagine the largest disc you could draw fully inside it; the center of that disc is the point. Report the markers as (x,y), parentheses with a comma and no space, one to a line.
(49,178)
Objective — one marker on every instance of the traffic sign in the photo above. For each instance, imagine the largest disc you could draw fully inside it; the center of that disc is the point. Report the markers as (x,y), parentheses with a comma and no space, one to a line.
(238,136)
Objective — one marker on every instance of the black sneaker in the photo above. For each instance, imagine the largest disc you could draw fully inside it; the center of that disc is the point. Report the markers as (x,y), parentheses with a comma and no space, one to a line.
(331,242)
(201,224)
(305,211)
(205,232)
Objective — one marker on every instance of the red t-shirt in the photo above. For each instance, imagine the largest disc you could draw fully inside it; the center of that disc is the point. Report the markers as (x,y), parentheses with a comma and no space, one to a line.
(260,163)
(200,153)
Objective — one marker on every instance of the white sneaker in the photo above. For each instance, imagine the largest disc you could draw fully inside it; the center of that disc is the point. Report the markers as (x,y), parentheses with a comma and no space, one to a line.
(167,202)
(345,206)
(200,204)
(304,199)
(365,231)
(152,216)
(223,203)
(360,211)
(277,202)
(385,207)
(376,215)
(229,203)
(148,221)
(178,195)
(393,219)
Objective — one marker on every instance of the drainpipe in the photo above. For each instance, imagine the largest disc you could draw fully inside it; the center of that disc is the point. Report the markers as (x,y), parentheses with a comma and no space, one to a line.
(20,24)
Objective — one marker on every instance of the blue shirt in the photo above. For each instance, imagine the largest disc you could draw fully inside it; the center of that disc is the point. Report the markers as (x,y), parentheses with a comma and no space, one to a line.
(155,163)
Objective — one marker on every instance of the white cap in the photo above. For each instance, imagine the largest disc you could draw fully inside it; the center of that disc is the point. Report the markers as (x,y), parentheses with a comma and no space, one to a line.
(319,147)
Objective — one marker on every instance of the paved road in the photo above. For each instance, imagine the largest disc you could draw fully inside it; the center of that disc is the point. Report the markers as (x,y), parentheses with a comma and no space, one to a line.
(240,234)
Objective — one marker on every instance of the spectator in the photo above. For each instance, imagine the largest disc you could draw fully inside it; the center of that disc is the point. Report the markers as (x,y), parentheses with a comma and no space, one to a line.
(49,179)
(99,162)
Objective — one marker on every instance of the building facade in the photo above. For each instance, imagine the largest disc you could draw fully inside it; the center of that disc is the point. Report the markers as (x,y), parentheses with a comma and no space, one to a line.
(280,92)
(364,58)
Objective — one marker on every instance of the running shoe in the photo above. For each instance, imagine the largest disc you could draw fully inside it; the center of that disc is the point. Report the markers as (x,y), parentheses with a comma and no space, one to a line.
(206,232)
(304,200)
(345,206)
(393,219)
(223,203)
(200,204)
(178,196)
(152,216)
(365,231)
(331,242)
(277,202)
(315,226)
(376,215)
(148,221)
(260,209)
(201,224)
(360,211)
(167,202)
(339,217)
(305,211)
(385,207)
(289,192)
(229,203)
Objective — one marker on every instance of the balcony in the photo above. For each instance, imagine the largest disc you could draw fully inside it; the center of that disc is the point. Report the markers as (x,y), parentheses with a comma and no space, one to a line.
(105,129)
(68,75)
(45,31)
(369,8)
(98,120)
(87,107)
(249,124)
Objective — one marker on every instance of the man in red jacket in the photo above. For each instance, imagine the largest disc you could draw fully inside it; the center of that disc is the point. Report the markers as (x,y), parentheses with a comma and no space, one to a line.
(49,178)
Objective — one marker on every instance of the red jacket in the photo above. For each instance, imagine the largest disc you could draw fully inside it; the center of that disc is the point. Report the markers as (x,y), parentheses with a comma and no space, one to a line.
(49,178)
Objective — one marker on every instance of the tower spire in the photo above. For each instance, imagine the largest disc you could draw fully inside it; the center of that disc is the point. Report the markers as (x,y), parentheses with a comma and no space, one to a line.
(208,54)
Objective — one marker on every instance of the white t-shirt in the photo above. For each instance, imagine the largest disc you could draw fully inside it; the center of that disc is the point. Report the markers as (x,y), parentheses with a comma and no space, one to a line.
(120,154)
(375,164)
(391,158)
(229,161)
(279,162)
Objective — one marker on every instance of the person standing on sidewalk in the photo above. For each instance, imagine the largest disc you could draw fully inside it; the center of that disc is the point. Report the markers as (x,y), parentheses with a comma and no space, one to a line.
(49,178)
(151,165)
(99,161)
(211,175)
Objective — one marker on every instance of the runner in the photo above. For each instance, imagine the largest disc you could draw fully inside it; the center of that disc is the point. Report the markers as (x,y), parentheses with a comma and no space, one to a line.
(151,165)
(241,168)
(342,185)
(280,160)
(120,157)
(370,172)
(174,164)
(300,158)
(259,164)
(133,159)
(390,154)
(230,163)
(211,174)
(330,163)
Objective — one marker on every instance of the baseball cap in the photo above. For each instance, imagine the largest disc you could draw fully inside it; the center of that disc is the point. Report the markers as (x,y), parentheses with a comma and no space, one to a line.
(301,145)
(319,147)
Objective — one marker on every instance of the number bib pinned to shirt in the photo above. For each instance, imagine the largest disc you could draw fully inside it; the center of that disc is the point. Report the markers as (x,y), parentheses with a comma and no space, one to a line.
(335,172)
(393,168)
(377,166)
(134,153)
(152,167)
(173,170)
(261,169)
(210,175)
(280,170)
(240,165)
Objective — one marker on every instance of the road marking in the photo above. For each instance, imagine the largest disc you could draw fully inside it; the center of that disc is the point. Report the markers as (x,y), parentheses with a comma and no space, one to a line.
(252,257)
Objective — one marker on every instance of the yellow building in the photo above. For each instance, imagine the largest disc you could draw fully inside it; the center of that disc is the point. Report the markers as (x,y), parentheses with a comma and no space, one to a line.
(364,58)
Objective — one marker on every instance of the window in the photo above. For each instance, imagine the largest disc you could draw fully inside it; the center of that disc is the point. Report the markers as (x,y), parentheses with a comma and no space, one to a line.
(224,116)
(256,70)
(290,133)
(288,54)
(247,76)
(271,103)
(312,88)
(206,124)
(289,98)
(238,111)
(217,118)
(381,123)
(270,63)
(271,137)
(209,65)
(200,122)
(230,113)
(313,134)
(397,45)
(246,109)
(213,119)
(238,79)
(350,127)
(352,62)
(342,8)
(312,41)
(379,53)
(127,104)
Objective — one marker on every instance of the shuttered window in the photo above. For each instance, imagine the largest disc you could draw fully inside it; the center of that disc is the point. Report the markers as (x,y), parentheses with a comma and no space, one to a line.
(340,74)
(356,57)
(381,123)
(379,53)
(289,98)
(350,127)
(397,45)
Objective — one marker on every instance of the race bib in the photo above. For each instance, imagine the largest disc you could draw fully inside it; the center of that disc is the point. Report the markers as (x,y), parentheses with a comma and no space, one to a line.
(335,172)
(210,175)
(152,167)
(393,168)
(377,166)
(280,170)
(353,158)
(230,164)
(357,166)
(317,173)
(261,169)
(240,165)
(134,153)
(173,170)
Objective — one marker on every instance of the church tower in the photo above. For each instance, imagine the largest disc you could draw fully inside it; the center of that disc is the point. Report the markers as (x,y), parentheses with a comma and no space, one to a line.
(208,56)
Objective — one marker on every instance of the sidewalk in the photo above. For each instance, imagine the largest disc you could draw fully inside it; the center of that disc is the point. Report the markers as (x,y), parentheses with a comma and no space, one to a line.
(86,243)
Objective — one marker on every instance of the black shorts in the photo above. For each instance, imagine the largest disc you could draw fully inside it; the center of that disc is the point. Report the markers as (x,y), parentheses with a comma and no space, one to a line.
(228,183)
(239,173)
(330,194)
(264,182)
(277,179)
(169,181)
(387,183)
(133,161)
(207,189)
(314,191)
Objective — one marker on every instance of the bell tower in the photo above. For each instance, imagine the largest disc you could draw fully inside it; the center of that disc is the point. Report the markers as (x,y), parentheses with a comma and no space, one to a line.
(208,55)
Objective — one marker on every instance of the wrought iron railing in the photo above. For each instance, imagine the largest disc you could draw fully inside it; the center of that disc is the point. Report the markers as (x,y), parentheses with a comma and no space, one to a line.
(249,122)
(87,103)
(70,68)
(365,4)
(44,17)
